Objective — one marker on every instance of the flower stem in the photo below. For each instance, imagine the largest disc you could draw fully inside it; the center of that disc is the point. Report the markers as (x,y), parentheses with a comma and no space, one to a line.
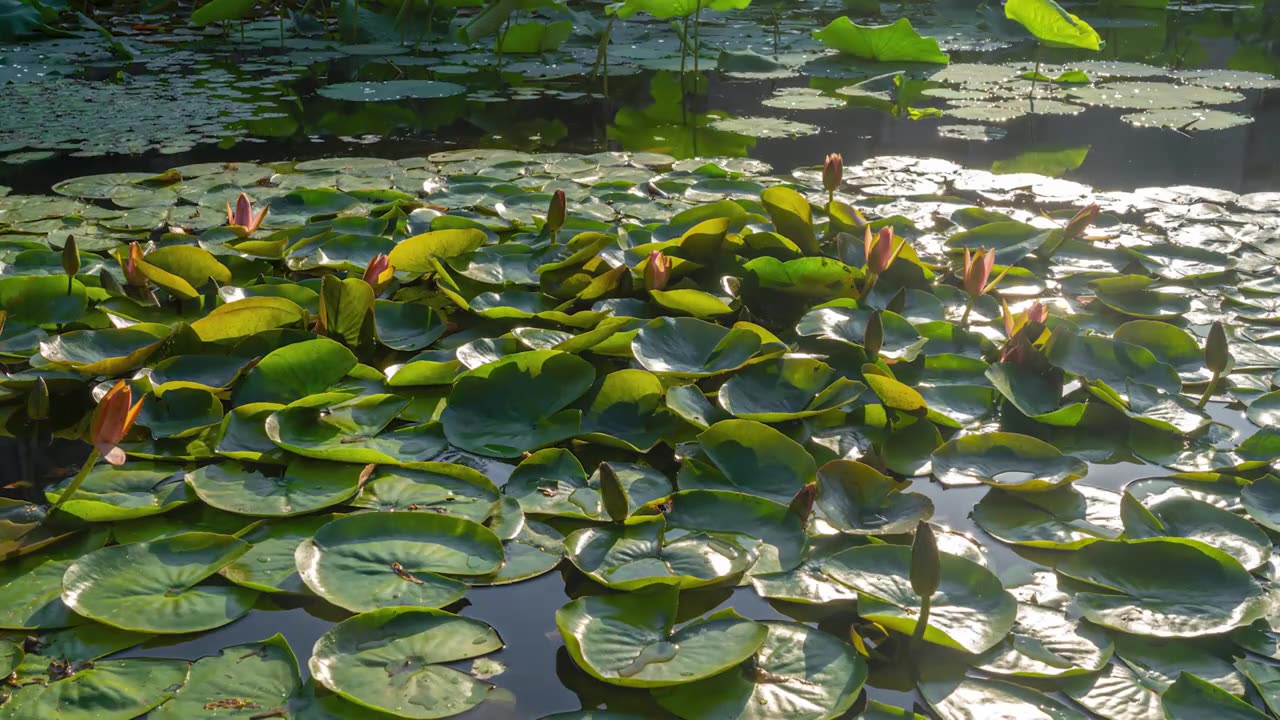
(1208,392)
(968,308)
(89,462)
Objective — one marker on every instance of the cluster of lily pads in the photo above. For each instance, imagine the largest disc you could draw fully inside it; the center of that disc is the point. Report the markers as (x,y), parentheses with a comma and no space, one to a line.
(674,375)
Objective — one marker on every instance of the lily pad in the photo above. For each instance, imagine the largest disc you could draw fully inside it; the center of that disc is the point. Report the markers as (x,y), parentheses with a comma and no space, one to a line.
(517,404)
(1005,460)
(1210,594)
(971,611)
(799,672)
(631,640)
(394,660)
(154,586)
(375,560)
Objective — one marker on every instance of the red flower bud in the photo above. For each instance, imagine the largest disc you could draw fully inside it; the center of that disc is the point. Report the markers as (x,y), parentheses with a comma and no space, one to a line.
(833,172)
(378,273)
(879,250)
(977,271)
(1082,220)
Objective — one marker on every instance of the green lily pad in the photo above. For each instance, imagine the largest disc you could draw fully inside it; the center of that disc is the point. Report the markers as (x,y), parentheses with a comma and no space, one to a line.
(1116,692)
(626,411)
(393,660)
(432,487)
(787,388)
(1005,460)
(1192,697)
(111,493)
(856,498)
(107,689)
(31,586)
(638,555)
(553,482)
(748,456)
(105,352)
(517,404)
(305,486)
(953,696)
(1113,362)
(269,565)
(799,672)
(971,610)
(1046,643)
(154,586)
(375,560)
(1066,518)
(1052,25)
(257,677)
(294,372)
(689,347)
(1185,517)
(901,341)
(631,640)
(1211,593)
(898,42)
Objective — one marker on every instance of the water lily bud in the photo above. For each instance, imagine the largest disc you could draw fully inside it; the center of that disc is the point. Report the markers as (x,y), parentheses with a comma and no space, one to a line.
(556,212)
(243,216)
(657,271)
(977,271)
(1037,313)
(926,565)
(71,257)
(878,249)
(802,503)
(1081,221)
(833,172)
(378,273)
(132,268)
(873,338)
(112,420)
(613,494)
(1217,355)
(38,401)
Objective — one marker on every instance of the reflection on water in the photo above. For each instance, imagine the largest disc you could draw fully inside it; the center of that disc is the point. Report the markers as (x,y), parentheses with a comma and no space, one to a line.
(271,105)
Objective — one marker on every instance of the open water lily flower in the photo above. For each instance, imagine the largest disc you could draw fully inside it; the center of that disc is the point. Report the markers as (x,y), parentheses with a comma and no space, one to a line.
(111,422)
(243,215)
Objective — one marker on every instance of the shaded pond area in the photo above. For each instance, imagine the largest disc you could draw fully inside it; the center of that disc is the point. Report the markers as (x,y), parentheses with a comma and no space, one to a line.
(500,386)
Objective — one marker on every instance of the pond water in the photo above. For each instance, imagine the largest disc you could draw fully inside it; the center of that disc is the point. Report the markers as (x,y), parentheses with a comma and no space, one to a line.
(359,144)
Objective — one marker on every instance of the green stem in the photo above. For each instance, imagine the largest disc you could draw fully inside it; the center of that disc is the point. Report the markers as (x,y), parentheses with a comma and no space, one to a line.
(684,48)
(922,624)
(968,308)
(89,462)
(1208,392)
(697,42)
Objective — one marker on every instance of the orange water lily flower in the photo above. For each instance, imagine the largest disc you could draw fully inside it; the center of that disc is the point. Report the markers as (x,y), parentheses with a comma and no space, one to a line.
(243,216)
(977,270)
(112,420)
